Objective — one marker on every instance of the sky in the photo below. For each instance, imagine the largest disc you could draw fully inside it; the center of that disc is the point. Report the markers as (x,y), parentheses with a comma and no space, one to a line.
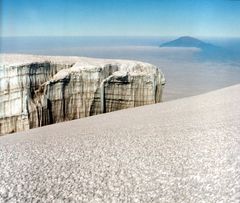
(207,18)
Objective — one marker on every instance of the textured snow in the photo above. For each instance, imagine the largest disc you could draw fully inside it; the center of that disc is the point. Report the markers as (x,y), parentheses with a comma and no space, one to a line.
(186,150)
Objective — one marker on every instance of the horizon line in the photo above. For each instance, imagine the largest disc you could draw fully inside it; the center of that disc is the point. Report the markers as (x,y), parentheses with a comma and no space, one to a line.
(200,36)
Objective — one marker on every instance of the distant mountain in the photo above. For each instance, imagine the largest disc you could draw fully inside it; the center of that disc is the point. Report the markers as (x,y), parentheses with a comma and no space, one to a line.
(188,42)
(208,51)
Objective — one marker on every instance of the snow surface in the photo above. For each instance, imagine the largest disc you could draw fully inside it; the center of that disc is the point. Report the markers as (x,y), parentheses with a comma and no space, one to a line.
(187,150)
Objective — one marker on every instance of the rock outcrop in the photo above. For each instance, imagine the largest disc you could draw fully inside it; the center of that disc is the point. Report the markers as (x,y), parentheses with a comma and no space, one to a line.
(41,90)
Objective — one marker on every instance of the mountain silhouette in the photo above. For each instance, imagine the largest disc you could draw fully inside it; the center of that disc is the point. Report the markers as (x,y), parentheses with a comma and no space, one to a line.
(187,41)
(207,50)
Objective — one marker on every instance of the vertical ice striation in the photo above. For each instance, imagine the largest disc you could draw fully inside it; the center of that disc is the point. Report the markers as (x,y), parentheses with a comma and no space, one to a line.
(41,90)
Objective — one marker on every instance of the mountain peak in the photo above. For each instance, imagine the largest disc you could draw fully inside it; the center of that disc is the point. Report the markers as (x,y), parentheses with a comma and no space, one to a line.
(208,51)
(188,38)
(186,41)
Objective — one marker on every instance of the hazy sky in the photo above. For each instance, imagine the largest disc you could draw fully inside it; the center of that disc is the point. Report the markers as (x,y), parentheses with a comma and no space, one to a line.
(120,17)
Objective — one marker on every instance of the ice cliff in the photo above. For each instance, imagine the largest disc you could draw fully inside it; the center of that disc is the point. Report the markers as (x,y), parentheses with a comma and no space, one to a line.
(41,90)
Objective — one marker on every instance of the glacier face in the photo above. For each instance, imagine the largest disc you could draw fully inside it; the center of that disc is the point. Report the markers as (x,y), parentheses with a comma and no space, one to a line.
(41,90)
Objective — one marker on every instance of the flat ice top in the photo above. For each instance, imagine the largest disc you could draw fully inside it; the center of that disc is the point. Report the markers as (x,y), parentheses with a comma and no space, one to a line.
(187,150)
(22,59)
